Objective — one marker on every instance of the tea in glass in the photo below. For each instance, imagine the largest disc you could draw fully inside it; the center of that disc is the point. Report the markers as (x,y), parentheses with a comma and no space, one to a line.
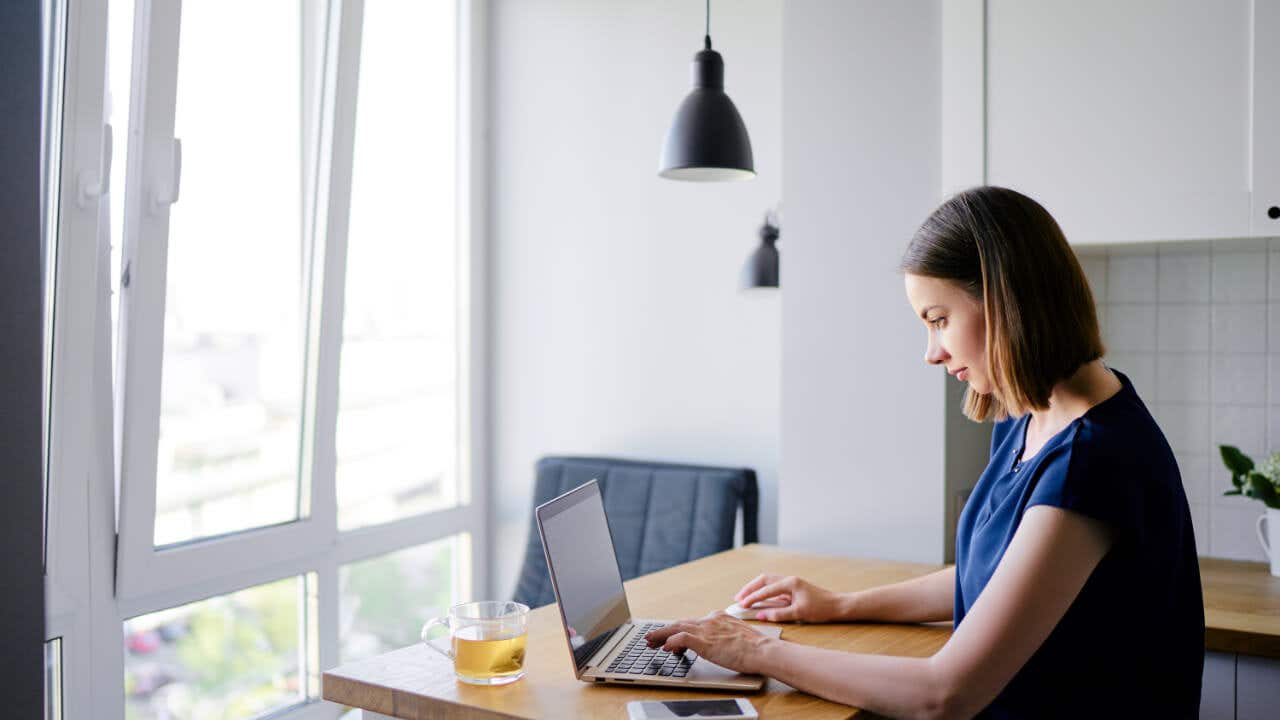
(487,641)
(475,656)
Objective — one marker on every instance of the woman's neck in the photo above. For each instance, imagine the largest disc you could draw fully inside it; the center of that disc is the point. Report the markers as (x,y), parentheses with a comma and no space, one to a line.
(1091,383)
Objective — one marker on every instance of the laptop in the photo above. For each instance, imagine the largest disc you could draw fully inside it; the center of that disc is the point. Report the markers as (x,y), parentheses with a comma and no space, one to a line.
(607,644)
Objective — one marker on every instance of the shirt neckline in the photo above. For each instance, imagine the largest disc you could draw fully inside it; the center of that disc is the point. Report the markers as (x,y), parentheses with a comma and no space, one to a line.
(1018,463)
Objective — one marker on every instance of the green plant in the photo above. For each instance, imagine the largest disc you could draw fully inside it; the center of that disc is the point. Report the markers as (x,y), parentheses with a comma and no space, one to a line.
(1260,483)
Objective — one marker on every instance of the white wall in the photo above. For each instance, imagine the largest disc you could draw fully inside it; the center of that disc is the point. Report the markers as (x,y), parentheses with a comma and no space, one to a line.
(617,327)
(862,417)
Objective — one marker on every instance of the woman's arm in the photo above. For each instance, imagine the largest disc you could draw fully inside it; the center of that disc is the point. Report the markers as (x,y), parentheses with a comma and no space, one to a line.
(929,598)
(1052,554)
(923,599)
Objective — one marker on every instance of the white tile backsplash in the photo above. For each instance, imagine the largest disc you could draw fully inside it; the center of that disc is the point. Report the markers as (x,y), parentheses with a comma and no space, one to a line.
(1182,378)
(1273,274)
(1273,429)
(1131,279)
(1240,379)
(1239,276)
(1095,270)
(1273,323)
(1232,532)
(1131,327)
(1221,482)
(1273,381)
(1186,427)
(1195,476)
(1239,327)
(1196,326)
(1237,245)
(1244,427)
(1200,527)
(1184,277)
(1182,328)
(1141,369)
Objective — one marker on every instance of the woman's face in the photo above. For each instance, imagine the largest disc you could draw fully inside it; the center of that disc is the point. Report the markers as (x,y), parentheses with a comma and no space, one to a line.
(957,328)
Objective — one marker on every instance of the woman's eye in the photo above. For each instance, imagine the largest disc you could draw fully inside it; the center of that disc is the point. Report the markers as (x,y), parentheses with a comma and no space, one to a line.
(937,322)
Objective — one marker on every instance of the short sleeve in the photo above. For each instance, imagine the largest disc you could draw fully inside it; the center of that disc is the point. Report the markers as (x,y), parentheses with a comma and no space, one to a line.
(1082,477)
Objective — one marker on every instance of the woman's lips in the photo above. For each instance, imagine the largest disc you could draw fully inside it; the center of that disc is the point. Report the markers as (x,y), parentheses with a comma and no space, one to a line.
(962,373)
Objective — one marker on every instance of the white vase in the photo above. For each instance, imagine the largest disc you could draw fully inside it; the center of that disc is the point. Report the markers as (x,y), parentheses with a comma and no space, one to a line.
(1269,535)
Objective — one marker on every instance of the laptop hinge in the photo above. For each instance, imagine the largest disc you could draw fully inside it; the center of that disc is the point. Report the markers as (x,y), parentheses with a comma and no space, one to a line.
(619,635)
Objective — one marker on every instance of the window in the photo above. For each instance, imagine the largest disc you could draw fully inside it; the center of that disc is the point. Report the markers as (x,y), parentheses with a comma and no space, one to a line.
(385,600)
(231,656)
(236,293)
(260,388)
(398,400)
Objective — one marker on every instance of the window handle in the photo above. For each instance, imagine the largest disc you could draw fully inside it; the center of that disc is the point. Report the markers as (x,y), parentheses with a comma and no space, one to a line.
(91,189)
(160,200)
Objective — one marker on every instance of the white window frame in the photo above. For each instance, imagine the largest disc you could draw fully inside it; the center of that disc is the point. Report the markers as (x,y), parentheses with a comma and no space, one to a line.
(98,579)
(81,526)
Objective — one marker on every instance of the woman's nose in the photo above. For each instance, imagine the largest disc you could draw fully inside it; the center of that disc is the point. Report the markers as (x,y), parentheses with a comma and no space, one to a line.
(934,354)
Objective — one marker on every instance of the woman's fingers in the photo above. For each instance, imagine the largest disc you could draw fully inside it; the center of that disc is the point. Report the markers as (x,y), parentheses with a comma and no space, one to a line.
(782,614)
(659,635)
(759,582)
(682,641)
(766,592)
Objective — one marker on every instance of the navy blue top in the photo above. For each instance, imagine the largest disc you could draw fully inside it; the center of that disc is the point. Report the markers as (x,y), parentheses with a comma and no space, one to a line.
(1132,642)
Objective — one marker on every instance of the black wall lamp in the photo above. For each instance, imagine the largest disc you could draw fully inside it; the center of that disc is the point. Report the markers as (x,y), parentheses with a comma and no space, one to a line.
(707,140)
(761,269)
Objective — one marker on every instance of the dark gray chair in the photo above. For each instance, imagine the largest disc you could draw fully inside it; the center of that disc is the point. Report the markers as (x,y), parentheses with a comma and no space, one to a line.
(660,514)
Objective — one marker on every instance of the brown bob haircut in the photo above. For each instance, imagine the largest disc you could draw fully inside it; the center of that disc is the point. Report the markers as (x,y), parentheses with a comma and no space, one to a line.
(1008,252)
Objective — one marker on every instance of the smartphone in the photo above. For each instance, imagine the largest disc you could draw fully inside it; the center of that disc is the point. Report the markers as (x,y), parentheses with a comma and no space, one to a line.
(719,708)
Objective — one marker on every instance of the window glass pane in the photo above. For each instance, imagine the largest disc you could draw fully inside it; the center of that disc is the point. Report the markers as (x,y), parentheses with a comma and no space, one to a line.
(232,656)
(397,435)
(236,299)
(385,600)
(53,679)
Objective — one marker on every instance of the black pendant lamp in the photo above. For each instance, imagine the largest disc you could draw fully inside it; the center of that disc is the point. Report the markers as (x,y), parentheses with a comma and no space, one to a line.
(761,269)
(707,140)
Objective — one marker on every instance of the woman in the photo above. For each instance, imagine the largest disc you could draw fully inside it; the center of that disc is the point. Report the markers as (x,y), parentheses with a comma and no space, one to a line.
(1076,589)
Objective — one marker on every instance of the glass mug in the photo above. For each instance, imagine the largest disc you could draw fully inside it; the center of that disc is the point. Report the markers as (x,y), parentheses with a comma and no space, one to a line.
(487,640)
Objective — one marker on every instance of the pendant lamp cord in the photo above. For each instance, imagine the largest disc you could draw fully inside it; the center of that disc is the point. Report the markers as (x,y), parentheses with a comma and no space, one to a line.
(706,38)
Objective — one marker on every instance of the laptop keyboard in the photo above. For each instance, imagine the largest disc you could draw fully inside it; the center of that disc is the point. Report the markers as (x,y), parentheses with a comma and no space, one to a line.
(640,659)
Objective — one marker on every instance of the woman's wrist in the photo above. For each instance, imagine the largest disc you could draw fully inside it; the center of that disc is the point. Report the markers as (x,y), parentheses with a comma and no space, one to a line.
(766,656)
(847,606)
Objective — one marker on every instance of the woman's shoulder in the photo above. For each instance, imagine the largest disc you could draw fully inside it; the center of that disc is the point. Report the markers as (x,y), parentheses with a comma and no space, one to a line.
(1119,446)
(1120,424)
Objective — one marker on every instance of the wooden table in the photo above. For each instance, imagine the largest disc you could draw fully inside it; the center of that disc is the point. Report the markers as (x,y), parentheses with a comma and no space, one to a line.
(1241,607)
(417,683)
(1242,615)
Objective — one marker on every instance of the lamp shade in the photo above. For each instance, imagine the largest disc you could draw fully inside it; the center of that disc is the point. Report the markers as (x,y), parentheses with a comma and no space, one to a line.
(761,269)
(707,140)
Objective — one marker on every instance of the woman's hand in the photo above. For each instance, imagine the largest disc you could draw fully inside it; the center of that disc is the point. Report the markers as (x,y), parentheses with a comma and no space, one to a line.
(804,600)
(718,637)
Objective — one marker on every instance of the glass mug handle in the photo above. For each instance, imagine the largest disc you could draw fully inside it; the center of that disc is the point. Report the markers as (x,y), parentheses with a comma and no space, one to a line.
(427,629)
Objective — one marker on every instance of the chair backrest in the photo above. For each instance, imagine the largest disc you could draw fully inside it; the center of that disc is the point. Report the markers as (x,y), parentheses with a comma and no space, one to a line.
(660,514)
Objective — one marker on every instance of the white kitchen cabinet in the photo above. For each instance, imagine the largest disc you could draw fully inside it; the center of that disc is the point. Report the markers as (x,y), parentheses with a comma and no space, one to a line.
(1132,121)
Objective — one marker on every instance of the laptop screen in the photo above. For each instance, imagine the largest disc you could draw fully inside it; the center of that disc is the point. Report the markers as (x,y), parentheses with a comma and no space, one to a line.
(584,569)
